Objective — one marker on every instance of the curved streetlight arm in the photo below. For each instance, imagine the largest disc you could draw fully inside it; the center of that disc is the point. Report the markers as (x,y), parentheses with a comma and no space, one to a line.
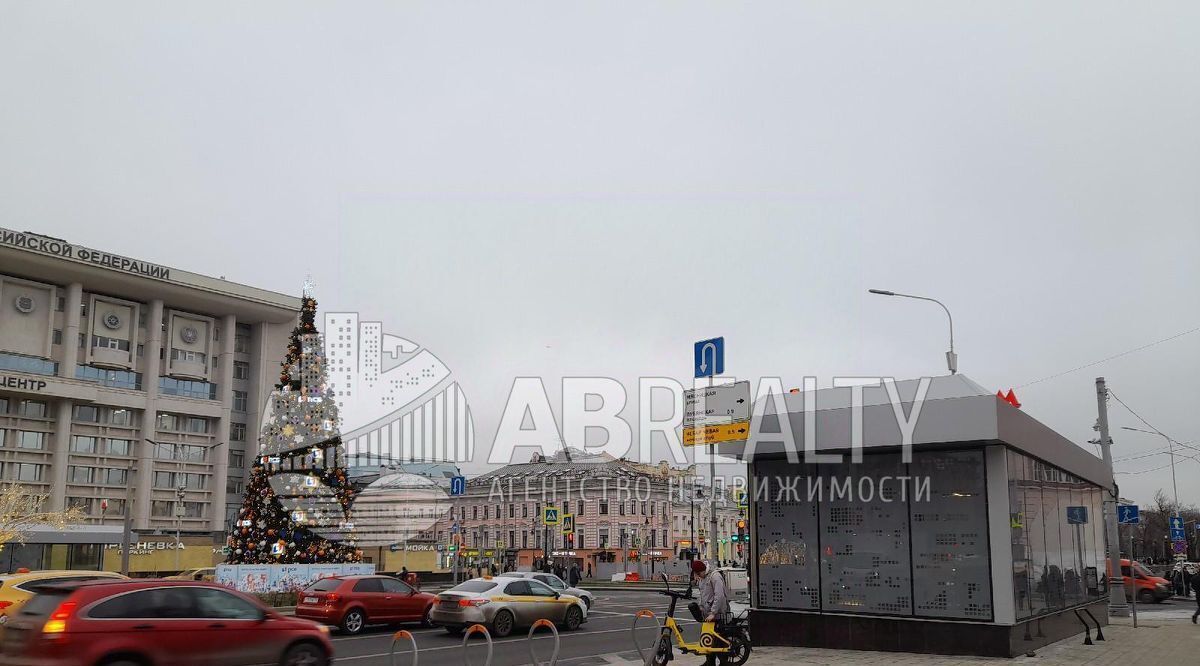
(951,357)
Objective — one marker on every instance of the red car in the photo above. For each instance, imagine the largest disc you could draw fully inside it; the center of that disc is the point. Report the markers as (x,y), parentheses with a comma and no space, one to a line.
(156,623)
(352,602)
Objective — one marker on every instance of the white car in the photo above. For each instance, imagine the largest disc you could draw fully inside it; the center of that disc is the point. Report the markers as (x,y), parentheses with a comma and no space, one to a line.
(556,584)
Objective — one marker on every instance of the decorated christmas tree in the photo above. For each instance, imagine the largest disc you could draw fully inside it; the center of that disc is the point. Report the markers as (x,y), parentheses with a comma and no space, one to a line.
(297,503)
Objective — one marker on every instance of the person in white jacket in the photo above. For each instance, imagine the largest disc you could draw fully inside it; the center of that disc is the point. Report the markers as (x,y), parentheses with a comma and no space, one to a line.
(714,601)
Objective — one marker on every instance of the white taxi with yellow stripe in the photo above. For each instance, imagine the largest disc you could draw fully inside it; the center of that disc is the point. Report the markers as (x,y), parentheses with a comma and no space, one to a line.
(503,603)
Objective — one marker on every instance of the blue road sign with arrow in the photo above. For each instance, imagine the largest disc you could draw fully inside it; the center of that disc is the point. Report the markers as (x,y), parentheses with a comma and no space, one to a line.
(1177,533)
(458,485)
(1127,514)
(710,357)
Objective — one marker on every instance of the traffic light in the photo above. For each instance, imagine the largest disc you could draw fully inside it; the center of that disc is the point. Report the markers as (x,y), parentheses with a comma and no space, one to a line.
(741,536)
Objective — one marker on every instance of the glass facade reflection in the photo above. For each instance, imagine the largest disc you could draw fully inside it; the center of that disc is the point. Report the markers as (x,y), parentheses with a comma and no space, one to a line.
(1055,521)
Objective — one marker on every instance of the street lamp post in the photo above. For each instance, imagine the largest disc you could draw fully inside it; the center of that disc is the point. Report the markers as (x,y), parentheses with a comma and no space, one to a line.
(951,357)
(1171,449)
(179,493)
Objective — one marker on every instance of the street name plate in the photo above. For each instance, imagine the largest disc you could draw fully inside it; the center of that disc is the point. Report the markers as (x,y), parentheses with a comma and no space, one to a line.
(738,431)
(714,405)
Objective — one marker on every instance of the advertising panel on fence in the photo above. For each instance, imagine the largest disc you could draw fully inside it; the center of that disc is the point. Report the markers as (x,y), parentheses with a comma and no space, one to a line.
(260,578)
(288,576)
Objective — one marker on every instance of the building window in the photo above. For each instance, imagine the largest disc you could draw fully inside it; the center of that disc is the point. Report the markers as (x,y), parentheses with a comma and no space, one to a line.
(196,424)
(86,414)
(102,342)
(475,512)
(113,477)
(84,504)
(27,439)
(119,447)
(164,479)
(61,304)
(524,510)
(187,388)
(76,474)
(30,472)
(33,409)
(161,509)
(241,342)
(189,356)
(116,507)
(621,507)
(167,421)
(233,487)
(113,378)
(237,460)
(237,431)
(121,417)
(3,405)
(579,511)
(241,370)
(239,401)
(512,511)
(56,337)
(603,508)
(83,444)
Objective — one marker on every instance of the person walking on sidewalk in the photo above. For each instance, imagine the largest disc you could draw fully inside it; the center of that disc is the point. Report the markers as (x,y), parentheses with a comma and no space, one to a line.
(1196,589)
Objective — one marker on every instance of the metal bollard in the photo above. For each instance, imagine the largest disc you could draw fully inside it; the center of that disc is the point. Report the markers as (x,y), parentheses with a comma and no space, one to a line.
(553,657)
(633,632)
(397,637)
(477,629)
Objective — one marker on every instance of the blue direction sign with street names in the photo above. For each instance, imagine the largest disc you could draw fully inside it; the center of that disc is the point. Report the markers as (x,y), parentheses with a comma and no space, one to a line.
(1127,514)
(458,485)
(1076,515)
(710,357)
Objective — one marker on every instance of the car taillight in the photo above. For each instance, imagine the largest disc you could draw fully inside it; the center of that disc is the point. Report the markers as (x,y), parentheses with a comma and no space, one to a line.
(331,597)
(57,623)
(472,602)
(5,604)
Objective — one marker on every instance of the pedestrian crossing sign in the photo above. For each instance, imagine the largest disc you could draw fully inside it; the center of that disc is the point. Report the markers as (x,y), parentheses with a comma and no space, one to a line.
(568,523)
(550,515)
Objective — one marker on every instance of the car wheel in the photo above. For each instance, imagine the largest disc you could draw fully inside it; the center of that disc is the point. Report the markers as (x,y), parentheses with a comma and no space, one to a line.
(502,624)
(304,654)
(1146,597)
(425,621)
(354,621)
(573,619)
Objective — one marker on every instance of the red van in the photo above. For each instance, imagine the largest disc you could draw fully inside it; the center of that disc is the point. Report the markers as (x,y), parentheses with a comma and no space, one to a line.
(1150,589)
(157,622)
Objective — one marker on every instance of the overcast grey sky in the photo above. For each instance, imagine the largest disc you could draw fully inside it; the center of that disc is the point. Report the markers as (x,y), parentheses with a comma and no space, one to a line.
(560,189)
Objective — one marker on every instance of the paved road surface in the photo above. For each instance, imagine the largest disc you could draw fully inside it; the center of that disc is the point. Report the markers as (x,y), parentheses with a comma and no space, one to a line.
(607,632)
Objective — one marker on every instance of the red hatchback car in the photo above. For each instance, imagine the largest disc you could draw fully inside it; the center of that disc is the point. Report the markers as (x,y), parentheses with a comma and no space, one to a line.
(352,602)
(157,623)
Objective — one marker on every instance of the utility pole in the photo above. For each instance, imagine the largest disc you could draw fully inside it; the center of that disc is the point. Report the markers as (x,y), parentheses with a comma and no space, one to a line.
(1117,606)
(127,532)
(712,526)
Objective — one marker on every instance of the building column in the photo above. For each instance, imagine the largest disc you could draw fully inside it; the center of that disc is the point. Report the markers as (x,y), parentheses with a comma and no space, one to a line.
(221,450)
(151,365)
(70,338)
(60,444)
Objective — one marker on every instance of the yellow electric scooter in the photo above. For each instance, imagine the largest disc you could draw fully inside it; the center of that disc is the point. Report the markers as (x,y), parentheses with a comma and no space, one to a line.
(731,647)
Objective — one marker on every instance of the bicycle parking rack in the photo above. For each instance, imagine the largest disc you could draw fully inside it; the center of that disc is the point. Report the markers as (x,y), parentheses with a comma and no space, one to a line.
(1087,629)
(633,633)
(553,657)
(397,637)
(1099,631)
(477,629)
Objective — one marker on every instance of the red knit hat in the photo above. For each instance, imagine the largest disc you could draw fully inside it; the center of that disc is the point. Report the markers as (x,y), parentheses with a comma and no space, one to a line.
(698,566)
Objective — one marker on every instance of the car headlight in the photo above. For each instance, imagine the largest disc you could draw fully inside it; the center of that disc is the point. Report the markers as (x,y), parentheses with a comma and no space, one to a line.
(323,628)
(1161,586)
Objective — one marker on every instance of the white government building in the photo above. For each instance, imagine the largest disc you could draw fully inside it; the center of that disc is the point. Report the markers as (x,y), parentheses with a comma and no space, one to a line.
(110,364)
